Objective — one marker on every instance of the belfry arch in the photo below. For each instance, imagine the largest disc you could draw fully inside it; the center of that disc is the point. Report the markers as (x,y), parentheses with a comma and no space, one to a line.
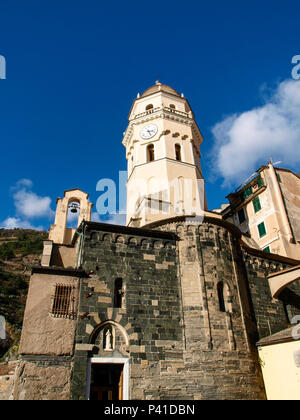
(59,232)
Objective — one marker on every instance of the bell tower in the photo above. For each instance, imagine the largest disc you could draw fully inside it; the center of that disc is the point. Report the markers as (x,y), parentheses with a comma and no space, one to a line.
(162,144)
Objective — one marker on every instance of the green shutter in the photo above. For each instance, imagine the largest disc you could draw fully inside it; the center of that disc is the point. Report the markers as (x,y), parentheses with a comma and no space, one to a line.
(260,182)
(256,204)
(247,192)
(262,229)
(267,249)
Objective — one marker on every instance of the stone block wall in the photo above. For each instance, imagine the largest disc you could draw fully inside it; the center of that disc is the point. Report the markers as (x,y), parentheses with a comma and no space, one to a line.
(182,305)
(271,315)
(220,361)
(148,326)
(181,342)
(43,377)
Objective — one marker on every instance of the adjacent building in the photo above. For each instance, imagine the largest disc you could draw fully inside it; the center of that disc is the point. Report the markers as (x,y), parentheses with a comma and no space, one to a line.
(268,208)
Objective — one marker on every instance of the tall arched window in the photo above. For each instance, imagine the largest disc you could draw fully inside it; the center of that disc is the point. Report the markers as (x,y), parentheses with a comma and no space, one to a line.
(118,293)
(225,304)
(220,289)
(73,214)
(178,152)
(150,153)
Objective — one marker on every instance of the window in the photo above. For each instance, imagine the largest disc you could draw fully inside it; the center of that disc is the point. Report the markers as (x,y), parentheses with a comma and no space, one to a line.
(278,177)
(63,302)
(260,182)
(241,216)
(224,297)
(220,289)
(172,106)
(247,192)
(150,153)
(178,152)
(148,107)
(262,229)
(256,204)
(118,293)
(267,249)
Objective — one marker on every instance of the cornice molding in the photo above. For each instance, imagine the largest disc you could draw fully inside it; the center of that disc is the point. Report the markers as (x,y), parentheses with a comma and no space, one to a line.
(159,113)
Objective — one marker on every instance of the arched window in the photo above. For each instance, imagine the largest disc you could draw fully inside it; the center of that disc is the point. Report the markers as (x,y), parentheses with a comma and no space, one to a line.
(225,304)
(150,153)
(178,152)
(172,106)
(118,293)
(148,107)
(220,289)
(73,214)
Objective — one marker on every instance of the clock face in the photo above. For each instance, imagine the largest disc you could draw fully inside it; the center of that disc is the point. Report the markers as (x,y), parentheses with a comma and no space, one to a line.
(149,131)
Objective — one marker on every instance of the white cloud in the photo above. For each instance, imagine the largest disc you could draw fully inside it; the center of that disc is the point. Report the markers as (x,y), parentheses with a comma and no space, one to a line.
(243,142)
(30,205)
(23,183)
(14,222)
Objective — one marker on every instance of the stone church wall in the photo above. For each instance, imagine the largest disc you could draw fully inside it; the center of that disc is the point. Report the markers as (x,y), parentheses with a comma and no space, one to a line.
(182,305)
(220,362)
(181,343)
(150,316)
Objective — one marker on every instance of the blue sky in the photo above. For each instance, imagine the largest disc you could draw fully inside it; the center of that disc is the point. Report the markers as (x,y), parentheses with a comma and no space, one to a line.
(74,68)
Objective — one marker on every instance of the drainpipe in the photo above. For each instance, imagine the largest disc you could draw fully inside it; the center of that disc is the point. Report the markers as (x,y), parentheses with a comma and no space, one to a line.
(282,208)
(80,246)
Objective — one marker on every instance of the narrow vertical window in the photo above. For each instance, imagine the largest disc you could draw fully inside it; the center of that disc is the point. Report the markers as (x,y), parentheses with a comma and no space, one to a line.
(224,296)
(220,289)
(261,229)
(247,192)
(150,153)
(256,204)
(118,293)
(260,182)
(178,152)
(241,216)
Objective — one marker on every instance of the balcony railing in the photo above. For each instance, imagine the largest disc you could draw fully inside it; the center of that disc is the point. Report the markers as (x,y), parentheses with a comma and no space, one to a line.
(169,110)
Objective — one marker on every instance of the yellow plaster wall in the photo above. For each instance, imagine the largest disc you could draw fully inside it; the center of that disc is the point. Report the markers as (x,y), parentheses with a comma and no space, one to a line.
(280,373)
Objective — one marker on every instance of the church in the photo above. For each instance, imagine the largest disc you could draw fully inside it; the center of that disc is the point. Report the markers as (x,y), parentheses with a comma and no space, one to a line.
(175,305)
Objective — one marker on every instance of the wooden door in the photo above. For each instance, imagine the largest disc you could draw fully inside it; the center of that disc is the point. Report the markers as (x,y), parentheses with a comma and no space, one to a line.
(121,386)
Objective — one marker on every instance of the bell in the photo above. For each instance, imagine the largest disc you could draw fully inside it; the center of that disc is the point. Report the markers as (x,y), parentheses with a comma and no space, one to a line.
(74,208)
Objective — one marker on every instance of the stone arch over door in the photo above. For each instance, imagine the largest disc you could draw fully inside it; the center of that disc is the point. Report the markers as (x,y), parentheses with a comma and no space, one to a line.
(110,339)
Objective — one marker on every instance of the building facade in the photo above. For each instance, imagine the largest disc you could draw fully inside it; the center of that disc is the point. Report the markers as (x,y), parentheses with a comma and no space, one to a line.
(170,306)
(268,207)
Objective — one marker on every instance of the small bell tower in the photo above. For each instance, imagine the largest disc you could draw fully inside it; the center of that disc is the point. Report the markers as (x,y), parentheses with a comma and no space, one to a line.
(162,144)
(74,201)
